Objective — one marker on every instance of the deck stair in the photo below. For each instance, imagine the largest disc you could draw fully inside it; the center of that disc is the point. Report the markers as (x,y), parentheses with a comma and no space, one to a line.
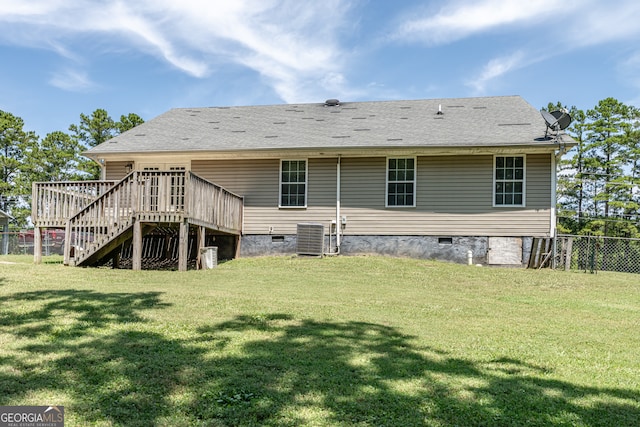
(93,231)
(102,221)
(111,246)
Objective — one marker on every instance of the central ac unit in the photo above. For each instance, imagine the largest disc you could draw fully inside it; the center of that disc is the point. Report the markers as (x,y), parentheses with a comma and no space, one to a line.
(310,239)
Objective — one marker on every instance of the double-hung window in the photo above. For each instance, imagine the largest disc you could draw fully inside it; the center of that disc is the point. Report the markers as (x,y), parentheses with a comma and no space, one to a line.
(401,182)
(293,183)
(509,181)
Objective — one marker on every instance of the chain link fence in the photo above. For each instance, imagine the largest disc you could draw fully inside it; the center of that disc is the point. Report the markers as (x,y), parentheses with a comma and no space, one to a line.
(21,242)
(586,253)
(596,253)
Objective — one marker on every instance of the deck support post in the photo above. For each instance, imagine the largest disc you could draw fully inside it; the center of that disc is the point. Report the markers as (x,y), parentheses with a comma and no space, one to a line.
(67,245)
(238,241)
(136,255)
(183,246)
(37,245)
(116,259)
(165,248)
(202,234)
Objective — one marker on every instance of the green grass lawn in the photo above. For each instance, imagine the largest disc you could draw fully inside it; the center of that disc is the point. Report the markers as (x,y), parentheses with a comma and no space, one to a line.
(346,341)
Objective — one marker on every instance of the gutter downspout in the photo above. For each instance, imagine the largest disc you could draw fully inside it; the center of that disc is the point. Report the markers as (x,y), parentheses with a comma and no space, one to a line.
(562,150)
(338,222)
(554,195)
(555,158)
(103,169)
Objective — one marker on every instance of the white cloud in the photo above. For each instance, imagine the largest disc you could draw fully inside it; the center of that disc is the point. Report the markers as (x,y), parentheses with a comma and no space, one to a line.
(460,19)
(291,44)
(496,68)
(33,8)
(555,28)
(603,22)
(576,22)
(72,80)
(630,70)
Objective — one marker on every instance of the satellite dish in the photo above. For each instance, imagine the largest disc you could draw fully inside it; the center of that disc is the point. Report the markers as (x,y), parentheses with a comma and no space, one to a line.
(556,121)
(564,119)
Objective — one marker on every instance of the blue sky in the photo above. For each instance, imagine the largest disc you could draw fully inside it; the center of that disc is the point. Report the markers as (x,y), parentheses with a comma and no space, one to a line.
(60,58)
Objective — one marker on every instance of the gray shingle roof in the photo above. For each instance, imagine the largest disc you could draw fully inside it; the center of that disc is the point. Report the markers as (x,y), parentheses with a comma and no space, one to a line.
(464,122)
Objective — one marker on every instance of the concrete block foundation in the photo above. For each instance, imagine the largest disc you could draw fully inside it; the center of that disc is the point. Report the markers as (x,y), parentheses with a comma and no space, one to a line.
(444,248)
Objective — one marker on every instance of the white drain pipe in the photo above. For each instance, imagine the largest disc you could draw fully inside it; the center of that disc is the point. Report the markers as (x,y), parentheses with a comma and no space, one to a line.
(338,222)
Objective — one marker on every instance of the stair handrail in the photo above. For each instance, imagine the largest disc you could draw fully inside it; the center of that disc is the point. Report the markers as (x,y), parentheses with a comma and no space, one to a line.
(83,238)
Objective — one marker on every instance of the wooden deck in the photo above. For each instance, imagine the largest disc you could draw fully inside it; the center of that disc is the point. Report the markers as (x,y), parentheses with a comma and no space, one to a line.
(53,203)
(99,216)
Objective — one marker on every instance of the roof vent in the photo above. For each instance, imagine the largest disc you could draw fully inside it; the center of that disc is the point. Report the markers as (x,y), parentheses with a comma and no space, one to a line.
(331,102)
(439,110)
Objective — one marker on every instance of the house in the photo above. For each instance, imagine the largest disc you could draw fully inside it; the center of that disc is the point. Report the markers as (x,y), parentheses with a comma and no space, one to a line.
(441,178)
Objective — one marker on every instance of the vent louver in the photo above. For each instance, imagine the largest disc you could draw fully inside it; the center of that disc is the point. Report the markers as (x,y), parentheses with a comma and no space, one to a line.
(310,239)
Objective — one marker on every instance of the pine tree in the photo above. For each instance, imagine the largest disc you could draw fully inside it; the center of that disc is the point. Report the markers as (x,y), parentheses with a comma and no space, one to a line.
(127,122)
(92,130)
(95,129)
(55,158)
(605,142)
(572,196)
(632,154)
(15,142)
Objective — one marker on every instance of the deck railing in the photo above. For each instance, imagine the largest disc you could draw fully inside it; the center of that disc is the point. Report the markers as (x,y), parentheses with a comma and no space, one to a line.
(151,197)
(53,203)
(160,195)
(208,204)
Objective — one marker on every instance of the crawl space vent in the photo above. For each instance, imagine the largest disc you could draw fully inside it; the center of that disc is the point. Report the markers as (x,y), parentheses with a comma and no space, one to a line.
(310,239)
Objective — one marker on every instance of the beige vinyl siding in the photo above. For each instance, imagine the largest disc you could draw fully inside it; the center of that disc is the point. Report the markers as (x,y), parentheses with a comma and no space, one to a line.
(322,184)
(539,181)
(454,196)
(363,183)
(258,182)
(455,184)
(116,170)
(255,180)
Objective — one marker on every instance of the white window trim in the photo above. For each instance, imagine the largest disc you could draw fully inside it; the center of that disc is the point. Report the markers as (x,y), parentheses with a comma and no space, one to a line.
(306,183)
(163,166)
(524,181)
(386,182)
